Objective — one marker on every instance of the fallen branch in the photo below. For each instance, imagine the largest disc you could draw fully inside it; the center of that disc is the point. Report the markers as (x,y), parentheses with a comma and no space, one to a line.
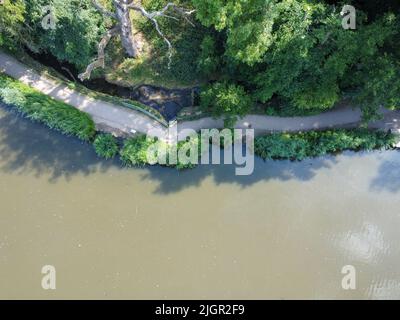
(123,8)
(152,16)
(100,61)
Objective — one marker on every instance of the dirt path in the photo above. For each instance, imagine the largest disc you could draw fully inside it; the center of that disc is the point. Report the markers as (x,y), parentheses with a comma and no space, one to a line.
(117,119)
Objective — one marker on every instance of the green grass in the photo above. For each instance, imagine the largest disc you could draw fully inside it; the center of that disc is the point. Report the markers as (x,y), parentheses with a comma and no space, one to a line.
(298,146)
(106,146)
(60,79)
(135,152)
(44,109)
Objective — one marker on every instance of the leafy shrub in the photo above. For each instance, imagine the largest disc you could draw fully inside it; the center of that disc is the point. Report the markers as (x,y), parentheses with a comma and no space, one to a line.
(12,96)
(298,146)
(282,146)
(79,29)
(185,146)
(208,60)
(226,100)
(379,84)
(134,152)
(44,109)
(106,146)
(11,23)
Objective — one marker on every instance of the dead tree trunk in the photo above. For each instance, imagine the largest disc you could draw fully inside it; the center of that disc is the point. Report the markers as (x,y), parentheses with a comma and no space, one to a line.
(122,12)
(124,28)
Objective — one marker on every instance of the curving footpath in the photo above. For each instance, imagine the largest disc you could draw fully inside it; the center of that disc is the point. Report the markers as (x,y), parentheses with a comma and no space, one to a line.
(123,121)
(107,116)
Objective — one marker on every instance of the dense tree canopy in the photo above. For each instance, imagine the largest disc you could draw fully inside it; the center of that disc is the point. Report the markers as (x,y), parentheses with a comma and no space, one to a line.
(299,53)
(288,54)
(11,22)
(78,28)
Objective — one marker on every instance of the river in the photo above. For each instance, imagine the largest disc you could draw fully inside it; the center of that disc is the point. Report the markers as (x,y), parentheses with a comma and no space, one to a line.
(154,233)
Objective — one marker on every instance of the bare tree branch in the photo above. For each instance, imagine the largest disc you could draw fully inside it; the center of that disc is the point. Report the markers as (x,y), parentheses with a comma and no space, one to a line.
(99,62)
(166,41)
(161,13)
(152,16)
(124,27)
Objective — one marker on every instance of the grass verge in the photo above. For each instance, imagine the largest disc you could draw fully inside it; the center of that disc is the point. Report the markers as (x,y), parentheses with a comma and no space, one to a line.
(298,146)
(44,109)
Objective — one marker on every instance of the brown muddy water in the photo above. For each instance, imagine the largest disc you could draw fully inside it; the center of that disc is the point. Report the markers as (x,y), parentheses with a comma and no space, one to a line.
(110,232)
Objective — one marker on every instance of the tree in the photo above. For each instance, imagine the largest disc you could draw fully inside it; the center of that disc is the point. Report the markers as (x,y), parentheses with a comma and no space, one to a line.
(227,100)
(11,23)
(76,34)
(297,51)
(377,85)
(123,27)
(247,23)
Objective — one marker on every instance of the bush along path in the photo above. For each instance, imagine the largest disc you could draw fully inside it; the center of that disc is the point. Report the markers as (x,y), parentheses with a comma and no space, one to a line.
(39,107)
(298,146)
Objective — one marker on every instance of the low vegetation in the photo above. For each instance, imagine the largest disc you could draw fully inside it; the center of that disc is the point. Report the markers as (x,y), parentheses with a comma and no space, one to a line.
(44,109)
(135,152)
(106,146)
(70,121)
(298,146)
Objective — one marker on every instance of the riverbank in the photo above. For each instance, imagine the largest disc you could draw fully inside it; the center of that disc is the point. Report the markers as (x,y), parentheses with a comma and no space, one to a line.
(133,151)
(122,121)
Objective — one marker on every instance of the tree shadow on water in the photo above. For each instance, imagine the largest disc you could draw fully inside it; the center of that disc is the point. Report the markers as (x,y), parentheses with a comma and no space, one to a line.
(388,176)
(171,180)
(31,148)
